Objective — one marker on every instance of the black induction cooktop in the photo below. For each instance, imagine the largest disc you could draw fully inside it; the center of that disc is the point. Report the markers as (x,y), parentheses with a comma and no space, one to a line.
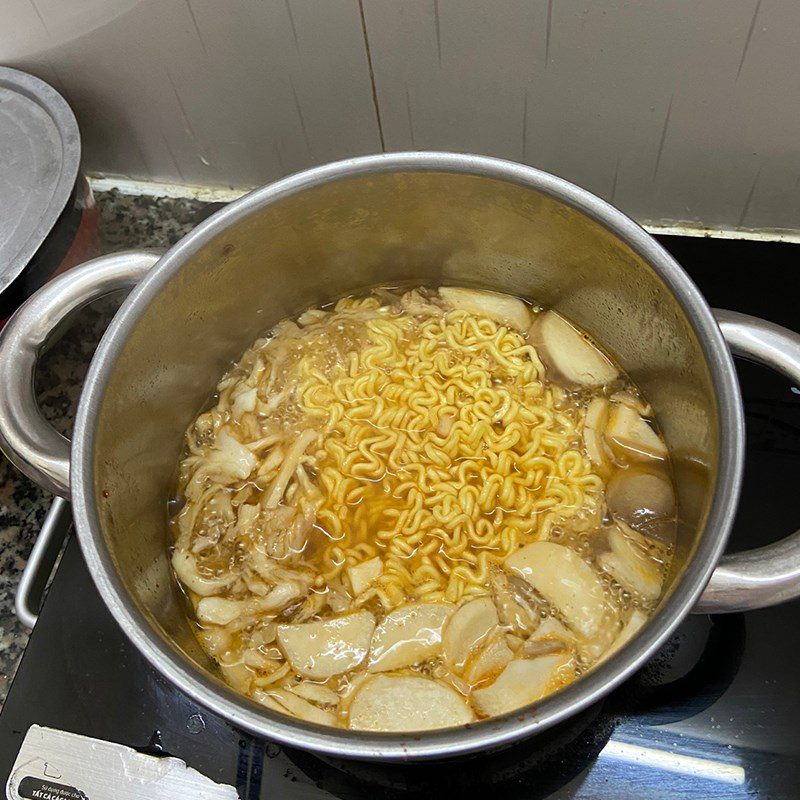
(714,715)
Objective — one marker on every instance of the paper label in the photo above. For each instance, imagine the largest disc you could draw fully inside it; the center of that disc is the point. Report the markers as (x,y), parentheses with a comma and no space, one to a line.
(56,765)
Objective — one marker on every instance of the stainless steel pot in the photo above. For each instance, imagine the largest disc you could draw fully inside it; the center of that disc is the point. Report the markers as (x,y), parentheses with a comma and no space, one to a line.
(426,217)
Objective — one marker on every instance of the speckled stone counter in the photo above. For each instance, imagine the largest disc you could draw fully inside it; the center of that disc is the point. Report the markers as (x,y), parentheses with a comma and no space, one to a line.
(125,222)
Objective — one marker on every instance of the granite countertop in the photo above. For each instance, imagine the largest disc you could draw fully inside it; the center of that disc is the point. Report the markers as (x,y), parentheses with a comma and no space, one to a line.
(125,222)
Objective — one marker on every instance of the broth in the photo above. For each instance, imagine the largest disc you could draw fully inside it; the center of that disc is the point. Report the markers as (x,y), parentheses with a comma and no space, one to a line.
(415,509)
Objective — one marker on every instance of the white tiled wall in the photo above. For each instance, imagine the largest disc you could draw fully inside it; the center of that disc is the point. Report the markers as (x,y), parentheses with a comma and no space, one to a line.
(676,110)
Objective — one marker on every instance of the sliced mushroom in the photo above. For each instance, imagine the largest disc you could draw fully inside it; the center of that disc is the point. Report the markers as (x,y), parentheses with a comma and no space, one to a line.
(415,303)
(637,496)
(402,703)
(632,627)
(288,467)
(311,316)
(551,632)
(594,426)
(185,566)
(489,660)
(568,353)
(541,647)
(408,635)
(238,675)
(244,401)
(327,647)
(315,693)
(565,580)
(468,626)
(228,460)
(629,564)
(522,682)
(259,660)
(288,702)
(362,575)
(216,641)
(636,403)
(223,610)
(512,609)
(553,637)
(500,307)
(630,436)
(597,414)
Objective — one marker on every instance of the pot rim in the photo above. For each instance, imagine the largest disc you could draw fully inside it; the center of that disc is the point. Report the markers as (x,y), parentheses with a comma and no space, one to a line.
(497,731)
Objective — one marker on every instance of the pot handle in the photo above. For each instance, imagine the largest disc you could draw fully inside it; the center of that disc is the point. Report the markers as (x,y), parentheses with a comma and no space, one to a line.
(26,438)
(767,575)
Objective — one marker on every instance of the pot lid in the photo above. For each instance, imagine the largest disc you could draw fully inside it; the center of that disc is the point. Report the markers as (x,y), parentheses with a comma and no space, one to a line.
(40,151)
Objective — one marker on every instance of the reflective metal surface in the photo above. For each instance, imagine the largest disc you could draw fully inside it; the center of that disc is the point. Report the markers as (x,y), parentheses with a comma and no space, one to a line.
(41,155)
(26,438)
(42,558)
(414,217)
(771,574)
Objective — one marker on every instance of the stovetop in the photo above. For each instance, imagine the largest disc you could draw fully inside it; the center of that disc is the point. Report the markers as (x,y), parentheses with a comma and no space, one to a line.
(713,715)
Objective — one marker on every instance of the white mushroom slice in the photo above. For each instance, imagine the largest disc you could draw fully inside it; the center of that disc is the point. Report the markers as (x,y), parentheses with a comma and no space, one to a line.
(629,564)
(597,414)
(550,637)
(349,685)
(327,647)
(316,693)
(634,402)
(466,628)
(568,353)
(288,702)
(414,303)
(311,316)
(363,574)
(594,425)
(216,641)
(239,676)
(185,566)
(541,647)
(489,660)
(632,627)
(222,610)
(522,682)
(552,629)
(400,703)
(630,435)
(565,580)
(228,460)
(513,610)
(244,402)
(288,467)
(499,307)
(408,635)
(260,696)
(636,495)
(254,658)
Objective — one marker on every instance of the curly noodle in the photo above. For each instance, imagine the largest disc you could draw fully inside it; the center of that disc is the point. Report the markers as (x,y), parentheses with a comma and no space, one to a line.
(442,451)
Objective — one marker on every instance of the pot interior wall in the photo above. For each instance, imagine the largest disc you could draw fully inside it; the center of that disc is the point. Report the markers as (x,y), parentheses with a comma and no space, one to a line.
(333,239)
